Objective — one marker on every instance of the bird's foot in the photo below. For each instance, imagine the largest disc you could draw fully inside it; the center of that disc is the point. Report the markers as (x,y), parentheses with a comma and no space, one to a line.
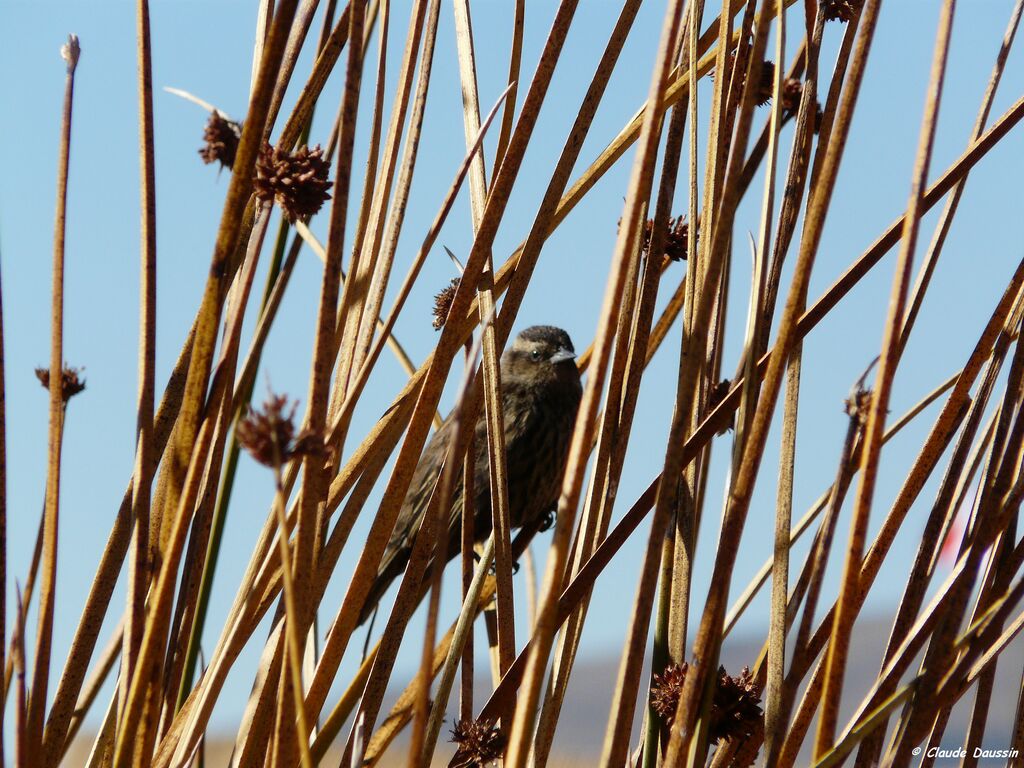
(494,567)
(548,521)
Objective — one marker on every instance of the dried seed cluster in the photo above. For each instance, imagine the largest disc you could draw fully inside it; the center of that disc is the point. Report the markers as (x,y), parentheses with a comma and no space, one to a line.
(676,239)
(735,710)
(269,434)
(840,10)
(443,303)
(715,397)
(297,181)
(71,382)
(792,91)
(666,690)
(221,137)
(481,743)
(766,85)
(858,405)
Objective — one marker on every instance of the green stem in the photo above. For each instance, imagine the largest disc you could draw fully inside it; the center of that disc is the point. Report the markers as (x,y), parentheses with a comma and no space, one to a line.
(660,658)
(224,496)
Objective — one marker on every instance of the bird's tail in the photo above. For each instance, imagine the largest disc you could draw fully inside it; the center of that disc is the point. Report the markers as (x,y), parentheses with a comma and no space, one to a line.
(391,567)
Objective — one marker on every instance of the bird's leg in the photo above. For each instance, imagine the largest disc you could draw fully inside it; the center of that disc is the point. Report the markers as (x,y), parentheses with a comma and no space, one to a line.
(493,570)
(494,567)
(548,521)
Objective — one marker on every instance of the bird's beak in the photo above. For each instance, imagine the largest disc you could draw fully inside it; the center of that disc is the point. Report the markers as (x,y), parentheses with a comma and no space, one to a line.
(562,355)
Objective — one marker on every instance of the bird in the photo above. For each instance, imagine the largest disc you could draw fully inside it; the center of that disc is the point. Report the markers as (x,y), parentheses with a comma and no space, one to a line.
(540,395)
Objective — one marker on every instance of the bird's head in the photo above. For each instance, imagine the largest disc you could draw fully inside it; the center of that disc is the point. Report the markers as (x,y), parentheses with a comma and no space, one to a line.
(541,353)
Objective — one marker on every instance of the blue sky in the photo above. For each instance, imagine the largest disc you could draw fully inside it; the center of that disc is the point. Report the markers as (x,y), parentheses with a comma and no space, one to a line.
(205,48)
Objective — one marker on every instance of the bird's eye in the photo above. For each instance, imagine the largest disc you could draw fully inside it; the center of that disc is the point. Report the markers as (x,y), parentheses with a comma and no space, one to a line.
(535,354)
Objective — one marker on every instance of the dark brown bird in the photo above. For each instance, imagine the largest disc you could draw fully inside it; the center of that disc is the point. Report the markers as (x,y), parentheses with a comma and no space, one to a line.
(540,394)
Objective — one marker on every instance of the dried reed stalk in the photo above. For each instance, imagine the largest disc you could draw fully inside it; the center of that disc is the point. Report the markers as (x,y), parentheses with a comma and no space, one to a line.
(34,715)
(170,530)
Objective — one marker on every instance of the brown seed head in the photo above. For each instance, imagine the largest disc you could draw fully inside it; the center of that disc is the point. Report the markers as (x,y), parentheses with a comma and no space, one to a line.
(666,690)
(221,136)
(481,743)
(766,85)
(269,434)
(296,181)
(735,709)
(840,10)
(858,405)
(792,91)
(70,381)
(677,239)
(443,303)
(715,398)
